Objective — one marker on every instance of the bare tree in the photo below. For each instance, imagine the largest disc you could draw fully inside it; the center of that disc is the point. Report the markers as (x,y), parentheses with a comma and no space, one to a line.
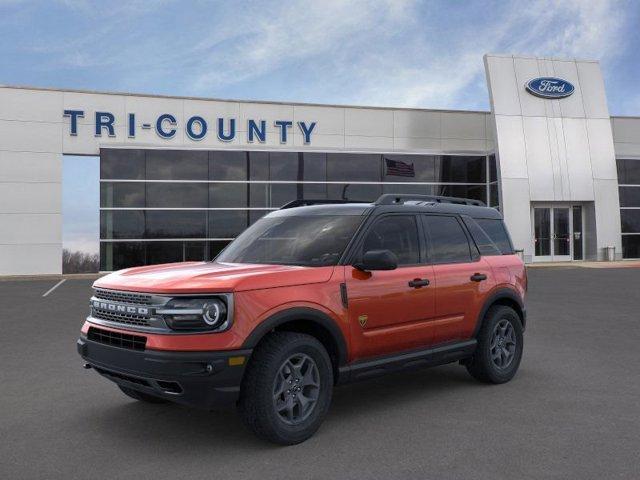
(80,262)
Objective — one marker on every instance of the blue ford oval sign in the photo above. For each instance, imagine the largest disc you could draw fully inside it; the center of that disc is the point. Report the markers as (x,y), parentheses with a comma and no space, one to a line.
(550,87)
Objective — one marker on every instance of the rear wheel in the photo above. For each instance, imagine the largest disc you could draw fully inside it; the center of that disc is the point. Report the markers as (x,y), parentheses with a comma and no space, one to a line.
(287,388)
(500,343)
(141,396)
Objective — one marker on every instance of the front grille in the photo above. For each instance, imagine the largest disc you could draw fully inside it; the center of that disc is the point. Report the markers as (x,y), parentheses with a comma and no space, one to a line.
(117,339)
(126,318)
(124,297)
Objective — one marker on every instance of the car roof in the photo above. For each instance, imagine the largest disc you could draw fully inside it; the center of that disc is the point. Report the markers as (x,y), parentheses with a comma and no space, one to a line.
(473,211)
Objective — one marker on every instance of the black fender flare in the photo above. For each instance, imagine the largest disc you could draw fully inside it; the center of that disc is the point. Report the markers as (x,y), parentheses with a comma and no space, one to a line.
(296,314)
(499,294)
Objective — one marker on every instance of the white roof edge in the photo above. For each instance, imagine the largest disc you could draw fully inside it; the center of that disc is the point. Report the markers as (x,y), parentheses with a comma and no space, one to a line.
(231,100)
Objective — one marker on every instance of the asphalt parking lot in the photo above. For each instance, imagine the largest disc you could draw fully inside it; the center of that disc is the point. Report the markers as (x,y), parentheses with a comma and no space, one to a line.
(573,410)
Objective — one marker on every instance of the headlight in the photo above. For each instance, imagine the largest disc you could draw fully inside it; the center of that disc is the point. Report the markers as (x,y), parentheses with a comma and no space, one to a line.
(197,314)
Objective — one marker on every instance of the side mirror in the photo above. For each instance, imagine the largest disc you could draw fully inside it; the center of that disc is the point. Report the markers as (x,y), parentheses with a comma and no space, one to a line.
(377,260)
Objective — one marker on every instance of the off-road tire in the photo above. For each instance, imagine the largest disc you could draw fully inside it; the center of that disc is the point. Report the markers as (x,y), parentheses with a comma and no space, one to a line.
(141,396)
(481,365)
(256,404)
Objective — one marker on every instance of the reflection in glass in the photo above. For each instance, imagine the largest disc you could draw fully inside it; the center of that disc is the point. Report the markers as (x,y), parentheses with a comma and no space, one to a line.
(227,223)
(116,194)
(121,224)
(125,164)
(229,195)
(177,165)
(228,165)
(176,224)
(177,195)
(542,229)
(561,237)
(356,167)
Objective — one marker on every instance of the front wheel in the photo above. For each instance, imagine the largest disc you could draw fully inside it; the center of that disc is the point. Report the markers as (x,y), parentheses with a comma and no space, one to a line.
(500,343)
(287,388)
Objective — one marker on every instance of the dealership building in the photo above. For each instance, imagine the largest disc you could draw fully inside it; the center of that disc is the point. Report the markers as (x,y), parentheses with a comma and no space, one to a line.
(180,177)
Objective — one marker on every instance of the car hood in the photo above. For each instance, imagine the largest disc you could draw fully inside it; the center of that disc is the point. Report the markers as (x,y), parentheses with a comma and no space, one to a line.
(205,277)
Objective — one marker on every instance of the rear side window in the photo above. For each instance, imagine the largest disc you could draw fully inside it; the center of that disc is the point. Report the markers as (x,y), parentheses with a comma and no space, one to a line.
(485,245)
(447,241)
(497,232)
(397,233)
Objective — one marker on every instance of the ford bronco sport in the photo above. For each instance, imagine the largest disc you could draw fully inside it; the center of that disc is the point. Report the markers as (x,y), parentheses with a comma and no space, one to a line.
(315,294)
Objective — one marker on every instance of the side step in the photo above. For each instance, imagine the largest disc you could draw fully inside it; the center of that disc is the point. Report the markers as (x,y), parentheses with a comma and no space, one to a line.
(430,357)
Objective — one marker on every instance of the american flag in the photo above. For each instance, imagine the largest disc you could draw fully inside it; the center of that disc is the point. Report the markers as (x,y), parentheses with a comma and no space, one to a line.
(399,169)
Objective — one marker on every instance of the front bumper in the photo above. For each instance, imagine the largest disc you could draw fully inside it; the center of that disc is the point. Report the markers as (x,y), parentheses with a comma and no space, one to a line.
(206,380)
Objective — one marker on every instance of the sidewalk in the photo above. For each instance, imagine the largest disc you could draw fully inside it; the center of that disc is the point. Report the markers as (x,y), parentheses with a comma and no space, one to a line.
(66,276)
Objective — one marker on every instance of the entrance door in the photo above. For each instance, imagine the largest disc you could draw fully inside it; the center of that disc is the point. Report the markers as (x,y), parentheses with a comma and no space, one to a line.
(557,233)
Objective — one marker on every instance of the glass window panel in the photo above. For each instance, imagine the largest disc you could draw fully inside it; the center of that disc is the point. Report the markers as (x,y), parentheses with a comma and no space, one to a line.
(282,193)
(227,195)
(259,195)
(485,244)
(398,234)
(447,241)
(630,246)
(228,165)
(356,167)
(121,224)
(176,224)
(255,215)
(314,191)
(284,166)
(353,192)
(628,171)
(461,169)
(258,166)
(177,165)
(494,198)
(126,164)
(542,231)
(408,189)
(474,192)
(314,166)
(216,247)
(122,195)
(227,223)
(195,251)
(177,195)
(409,168)
(493,169)
(164,252)
(119,255)
(629,196)
(630,221)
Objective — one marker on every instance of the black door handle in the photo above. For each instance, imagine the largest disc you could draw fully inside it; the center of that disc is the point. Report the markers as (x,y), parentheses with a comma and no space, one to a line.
(478,277)
(418,282)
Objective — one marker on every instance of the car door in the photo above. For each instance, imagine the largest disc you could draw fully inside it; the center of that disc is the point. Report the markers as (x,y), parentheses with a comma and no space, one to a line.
(462,278)
(391,310)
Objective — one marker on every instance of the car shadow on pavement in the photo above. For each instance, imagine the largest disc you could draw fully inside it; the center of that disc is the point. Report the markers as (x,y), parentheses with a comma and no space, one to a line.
(137,425)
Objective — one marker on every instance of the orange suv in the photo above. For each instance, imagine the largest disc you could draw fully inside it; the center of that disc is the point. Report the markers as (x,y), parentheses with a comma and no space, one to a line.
(312,295)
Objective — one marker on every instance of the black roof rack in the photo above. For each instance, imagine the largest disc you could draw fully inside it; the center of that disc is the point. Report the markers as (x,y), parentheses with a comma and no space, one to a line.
(392,199)
(303,203)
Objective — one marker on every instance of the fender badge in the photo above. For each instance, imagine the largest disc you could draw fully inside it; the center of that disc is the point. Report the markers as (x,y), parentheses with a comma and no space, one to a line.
(362,320)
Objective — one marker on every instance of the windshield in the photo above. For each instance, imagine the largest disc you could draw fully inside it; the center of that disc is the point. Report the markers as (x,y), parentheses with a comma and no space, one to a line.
(313,241)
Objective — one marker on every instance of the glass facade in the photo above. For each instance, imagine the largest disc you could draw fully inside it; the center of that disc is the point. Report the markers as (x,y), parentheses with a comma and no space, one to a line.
(160,206)
(629,191)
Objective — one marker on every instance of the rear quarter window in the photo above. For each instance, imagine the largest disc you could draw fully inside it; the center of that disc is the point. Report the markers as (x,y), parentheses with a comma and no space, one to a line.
(496,230)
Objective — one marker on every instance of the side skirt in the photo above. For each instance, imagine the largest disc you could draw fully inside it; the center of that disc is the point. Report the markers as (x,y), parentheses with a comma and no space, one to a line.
(430,357)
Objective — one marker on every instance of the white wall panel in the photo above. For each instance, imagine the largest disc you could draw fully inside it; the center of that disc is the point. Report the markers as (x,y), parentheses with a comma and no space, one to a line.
(30,136)
(570,106)
(86,143)
(511,147)
(30,198)
(329,120)
(593,90)
(368,143)
(607,206)
(416,124)
(503,79)
(525,70)
(461,145)
(601,149)
(30,167)
(626,129)
(538,154)
(420,144)
(30,259)
(368,122)
(517,215)
(463,125)
(30,105)
(30,228)
(270,113)
(578,159)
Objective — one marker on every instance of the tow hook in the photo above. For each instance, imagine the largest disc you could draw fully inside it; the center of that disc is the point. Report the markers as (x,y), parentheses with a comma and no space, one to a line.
(86,366)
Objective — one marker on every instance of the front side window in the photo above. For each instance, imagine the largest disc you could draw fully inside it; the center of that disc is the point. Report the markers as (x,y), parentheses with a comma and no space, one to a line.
(447,240)
(313,241)
(497,232)
(398,234)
